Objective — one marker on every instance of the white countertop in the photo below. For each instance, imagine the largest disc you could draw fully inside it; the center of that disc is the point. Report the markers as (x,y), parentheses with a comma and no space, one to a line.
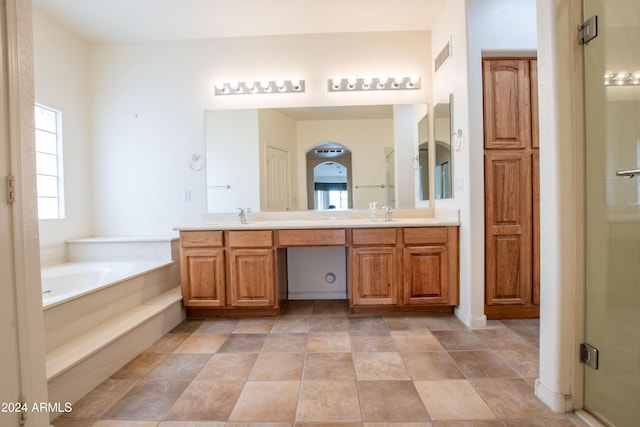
(326,219)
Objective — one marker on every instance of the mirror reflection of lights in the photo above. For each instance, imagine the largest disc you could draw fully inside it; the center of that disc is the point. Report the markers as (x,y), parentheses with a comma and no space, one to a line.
(621,78)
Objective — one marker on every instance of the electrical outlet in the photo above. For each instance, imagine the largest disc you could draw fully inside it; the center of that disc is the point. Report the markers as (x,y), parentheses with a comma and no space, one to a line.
(186,196)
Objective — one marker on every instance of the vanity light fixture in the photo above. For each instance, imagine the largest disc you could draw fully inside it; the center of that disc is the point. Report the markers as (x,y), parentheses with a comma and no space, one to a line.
(259,86)
(345,84)
(621,78)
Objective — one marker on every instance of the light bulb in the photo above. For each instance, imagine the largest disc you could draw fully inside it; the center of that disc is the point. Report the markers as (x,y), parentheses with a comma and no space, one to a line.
(336,82)
(351,82)
(382,81)
(280,85)
(295,83)
(250,85)
(264,84)
(219,84)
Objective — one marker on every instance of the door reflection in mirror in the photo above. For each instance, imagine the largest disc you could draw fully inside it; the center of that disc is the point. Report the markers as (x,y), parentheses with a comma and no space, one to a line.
(329,177)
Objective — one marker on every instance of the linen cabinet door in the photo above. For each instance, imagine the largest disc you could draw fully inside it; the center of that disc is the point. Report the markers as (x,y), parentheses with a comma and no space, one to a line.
(203,277)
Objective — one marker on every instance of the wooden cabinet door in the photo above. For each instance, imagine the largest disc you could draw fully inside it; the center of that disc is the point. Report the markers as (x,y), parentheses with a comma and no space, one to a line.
(252,278)
(507,104)
(508,227)
(374,275)
(426,275)
(203,277)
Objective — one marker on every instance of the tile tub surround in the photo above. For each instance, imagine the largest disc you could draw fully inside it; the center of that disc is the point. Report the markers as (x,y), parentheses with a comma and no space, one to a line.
(328,370)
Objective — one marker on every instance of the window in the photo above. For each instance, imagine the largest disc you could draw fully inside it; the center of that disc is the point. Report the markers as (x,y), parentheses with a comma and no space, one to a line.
(49,163)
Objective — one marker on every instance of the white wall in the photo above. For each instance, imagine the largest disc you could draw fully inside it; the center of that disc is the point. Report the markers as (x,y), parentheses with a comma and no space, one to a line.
(366,139)
(475,27)
(148,100)
(61,82)
(232,160)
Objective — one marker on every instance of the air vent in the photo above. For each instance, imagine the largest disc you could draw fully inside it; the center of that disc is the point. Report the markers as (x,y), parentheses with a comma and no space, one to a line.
(442,57)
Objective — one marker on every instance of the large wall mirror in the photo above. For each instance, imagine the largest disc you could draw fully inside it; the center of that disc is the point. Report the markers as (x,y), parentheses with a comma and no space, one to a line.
(308,158)
(443,159)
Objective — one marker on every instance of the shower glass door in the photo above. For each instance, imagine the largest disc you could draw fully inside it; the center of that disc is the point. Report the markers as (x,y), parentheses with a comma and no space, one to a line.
(612,99)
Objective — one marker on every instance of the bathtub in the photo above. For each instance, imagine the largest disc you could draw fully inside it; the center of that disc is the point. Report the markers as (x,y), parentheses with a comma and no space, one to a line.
(98,315)
(64,282)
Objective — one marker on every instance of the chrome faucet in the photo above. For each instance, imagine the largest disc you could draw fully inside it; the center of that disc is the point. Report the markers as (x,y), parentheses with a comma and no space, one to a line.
(243,216)
(387,213)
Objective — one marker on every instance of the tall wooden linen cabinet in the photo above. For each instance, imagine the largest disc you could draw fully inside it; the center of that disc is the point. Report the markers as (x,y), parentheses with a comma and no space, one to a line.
(512,188)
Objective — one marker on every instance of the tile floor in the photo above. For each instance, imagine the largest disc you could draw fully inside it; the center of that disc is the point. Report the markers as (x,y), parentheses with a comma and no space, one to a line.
(317,366)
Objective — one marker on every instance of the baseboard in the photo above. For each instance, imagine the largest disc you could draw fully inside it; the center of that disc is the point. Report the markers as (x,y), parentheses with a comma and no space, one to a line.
(556,401)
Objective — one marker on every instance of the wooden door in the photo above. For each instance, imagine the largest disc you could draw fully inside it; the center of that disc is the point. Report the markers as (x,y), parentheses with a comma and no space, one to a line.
(426,275)
(203,277)
(508,228)
(278,193)
(507,104)
(252,278)
(374,275)
(511,187)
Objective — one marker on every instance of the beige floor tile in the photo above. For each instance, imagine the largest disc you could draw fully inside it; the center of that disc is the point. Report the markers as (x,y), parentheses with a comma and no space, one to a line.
(329,366)
(453,400)
(206,401)
(524,361)
(202,343)
(482,364)
(443,323)
(228,367)
(98,400)
(292,324)
(396,424)
(217,326)
(372,341)
(328,342)
(124,423)
(453,340)
(328,401)
(179,366)
(167,343)
(267,401)
(502,339)
(259,325)
(371,323)
(139,367)
(188,326)
(469,423)
(278,367)
(431,365)
(74,422)
(404,323)
(256,424)
(243,343)
(410,341)
(391,401)
(380,366)
(280,343)
(541,422)
(299,308)
(192,424)
(511,398)
(330,308)
(147,400)
(329,324)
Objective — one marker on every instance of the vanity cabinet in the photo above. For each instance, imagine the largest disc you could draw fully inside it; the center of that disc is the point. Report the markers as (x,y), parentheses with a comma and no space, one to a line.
(430,266)
(251,269)
(231,272)
(375,267)
(202,268)
(390,270)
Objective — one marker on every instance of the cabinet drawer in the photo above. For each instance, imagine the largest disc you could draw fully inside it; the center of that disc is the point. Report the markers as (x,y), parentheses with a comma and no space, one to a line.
(426,236)
(251,239)
(374,236)
(328,237)
(200,239)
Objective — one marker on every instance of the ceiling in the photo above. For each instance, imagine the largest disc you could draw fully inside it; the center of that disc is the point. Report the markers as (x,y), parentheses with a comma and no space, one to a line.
(157,20)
